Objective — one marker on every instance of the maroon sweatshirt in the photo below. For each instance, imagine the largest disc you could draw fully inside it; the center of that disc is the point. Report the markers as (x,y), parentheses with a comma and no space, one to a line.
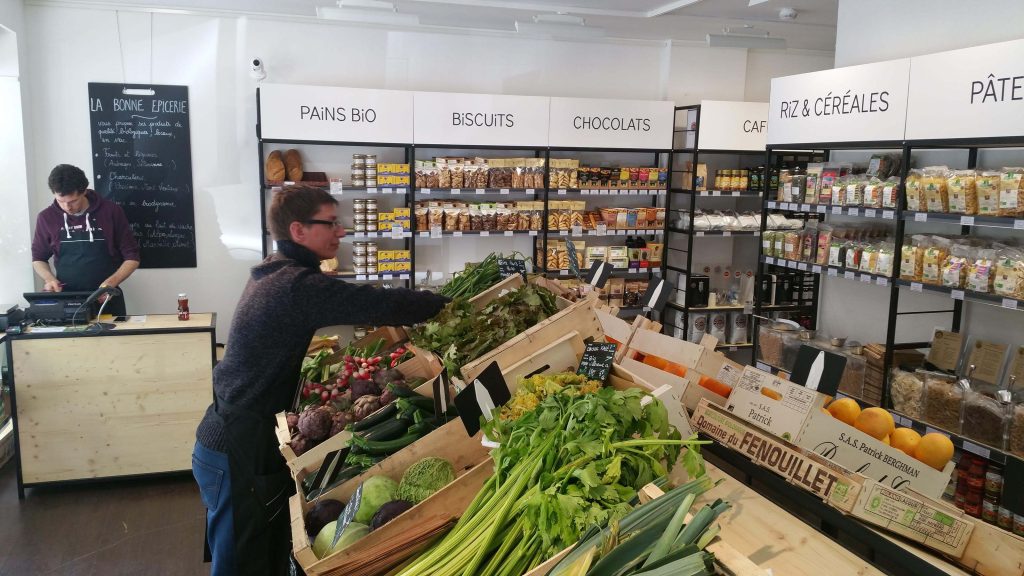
(103,215)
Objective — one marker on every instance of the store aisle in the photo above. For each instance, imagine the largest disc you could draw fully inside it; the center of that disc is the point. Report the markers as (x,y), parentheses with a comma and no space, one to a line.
(152,526)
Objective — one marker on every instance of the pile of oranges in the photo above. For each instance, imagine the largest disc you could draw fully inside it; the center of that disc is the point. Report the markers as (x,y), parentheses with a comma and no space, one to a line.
(933,449)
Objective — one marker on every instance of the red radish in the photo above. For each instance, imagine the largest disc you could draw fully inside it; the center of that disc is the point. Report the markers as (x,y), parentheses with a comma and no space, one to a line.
(348,358)
(325,395)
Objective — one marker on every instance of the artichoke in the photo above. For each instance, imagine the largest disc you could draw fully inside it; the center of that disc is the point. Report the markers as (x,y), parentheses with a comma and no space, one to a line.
(300,444)
(315,424)
(365,406)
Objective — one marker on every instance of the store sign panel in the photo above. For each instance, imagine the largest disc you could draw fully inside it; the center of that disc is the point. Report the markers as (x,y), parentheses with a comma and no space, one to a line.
(480,119)
(598,123)
(326,113)
(970,93)
(733,125)
(852,104)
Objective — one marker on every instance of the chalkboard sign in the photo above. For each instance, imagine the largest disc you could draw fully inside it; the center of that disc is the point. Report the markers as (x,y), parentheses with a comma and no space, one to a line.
(599,273)
(481,396)
(142,160)
(511,266)
(597,360)
(818,370)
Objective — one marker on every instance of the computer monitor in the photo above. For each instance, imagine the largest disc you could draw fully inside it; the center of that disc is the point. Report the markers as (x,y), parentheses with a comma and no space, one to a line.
(59,307)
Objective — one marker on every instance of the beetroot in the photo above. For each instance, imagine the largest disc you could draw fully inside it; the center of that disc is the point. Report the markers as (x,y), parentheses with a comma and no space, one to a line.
(362,388)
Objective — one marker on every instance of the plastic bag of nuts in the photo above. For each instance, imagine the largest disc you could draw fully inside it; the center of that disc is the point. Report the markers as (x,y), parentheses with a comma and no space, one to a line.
(943,397)
(906,389)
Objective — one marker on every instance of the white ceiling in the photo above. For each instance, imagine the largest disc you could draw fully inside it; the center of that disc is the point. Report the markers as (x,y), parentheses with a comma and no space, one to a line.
(682,20)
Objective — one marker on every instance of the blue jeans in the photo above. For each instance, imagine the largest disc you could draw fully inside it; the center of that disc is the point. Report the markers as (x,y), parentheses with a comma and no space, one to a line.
(211,471)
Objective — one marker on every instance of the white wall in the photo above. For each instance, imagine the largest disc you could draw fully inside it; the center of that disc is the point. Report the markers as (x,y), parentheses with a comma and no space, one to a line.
(15,235)
(209,54)
(876,30)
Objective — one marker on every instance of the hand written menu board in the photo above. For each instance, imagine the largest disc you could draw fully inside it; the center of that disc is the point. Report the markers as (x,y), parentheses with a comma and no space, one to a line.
(511,266)
(142,160)
(597,360)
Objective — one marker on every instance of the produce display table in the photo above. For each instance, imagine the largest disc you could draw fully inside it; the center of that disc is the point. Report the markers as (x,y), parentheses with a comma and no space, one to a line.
(121,402)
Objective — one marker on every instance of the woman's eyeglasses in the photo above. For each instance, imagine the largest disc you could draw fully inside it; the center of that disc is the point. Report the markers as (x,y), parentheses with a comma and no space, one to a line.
(332,223)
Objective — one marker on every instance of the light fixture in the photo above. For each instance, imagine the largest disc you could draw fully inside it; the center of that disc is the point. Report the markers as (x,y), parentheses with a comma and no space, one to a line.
(560,25)
(727,39)
(367,12)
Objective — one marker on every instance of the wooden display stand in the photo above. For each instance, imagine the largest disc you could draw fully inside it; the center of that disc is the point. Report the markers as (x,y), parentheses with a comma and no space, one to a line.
(120,402)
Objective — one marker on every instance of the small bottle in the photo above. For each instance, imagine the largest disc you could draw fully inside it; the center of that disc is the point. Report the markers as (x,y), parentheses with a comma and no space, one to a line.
(990,509)
(183,313)
(1005,519)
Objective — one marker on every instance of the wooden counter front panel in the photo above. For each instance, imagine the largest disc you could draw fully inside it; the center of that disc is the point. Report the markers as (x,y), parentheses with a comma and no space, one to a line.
(104,406)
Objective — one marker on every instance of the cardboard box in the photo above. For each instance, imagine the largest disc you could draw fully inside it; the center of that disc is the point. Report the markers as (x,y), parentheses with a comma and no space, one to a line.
(387,267)
(772,403)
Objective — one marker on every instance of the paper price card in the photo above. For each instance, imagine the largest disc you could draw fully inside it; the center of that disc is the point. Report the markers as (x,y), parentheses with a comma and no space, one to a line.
(987,358)
(945,350)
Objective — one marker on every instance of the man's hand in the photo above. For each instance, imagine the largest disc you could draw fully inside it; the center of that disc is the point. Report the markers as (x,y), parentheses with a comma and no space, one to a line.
(53,286)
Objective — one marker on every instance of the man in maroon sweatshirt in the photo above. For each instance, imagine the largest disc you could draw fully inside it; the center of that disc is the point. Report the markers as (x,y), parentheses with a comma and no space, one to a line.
(89,239)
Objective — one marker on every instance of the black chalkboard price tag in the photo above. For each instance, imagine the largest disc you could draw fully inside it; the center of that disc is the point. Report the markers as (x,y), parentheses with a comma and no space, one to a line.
(511,266)
(597,360)
(599,273)
(657,295)
(142,160)
(480,396)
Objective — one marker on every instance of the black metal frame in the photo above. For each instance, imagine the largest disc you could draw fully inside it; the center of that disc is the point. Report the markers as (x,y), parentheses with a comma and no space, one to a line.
(8,339)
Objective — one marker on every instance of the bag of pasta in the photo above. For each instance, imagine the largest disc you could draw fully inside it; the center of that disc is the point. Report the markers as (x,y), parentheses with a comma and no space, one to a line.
(1008,275)
(954,269)
(987,186)
(1011,192)
(963,194)
(933,185)
(980,273)
(934,256)
(891,192)
(914,191)
(873,193)
(886,258)
(912,258)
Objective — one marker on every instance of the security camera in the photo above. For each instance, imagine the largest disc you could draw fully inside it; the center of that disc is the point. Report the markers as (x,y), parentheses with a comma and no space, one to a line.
(787,14)
(256,69)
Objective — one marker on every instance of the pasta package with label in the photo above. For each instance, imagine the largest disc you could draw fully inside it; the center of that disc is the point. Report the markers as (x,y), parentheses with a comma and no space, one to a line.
(987,185)
(1011,192)
(934,256)
(914,191)
(912,259)
(1008,275)
(933,186)
(963,194)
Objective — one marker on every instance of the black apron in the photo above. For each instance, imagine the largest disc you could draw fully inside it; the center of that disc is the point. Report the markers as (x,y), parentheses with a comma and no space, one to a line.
(84,262)
(260,489)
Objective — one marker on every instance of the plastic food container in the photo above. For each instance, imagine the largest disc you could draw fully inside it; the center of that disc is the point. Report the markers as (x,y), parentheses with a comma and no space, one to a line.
(778,344)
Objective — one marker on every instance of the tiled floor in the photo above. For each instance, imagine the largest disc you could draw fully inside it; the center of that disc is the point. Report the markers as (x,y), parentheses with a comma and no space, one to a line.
(137,527)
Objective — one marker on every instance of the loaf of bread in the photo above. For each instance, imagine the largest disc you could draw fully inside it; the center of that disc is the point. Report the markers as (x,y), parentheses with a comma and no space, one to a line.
(274,168)
(293,165)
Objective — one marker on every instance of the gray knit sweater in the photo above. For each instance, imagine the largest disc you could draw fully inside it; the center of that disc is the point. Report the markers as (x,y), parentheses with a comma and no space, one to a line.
(285,301)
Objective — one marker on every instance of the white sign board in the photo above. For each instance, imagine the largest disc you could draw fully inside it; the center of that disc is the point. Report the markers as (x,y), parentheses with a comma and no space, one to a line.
(597,123)
(325,113)
(480,119)
(970,93)
(852,104)
(733,125)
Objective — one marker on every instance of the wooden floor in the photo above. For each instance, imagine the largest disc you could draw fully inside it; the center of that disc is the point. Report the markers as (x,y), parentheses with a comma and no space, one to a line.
(151,527)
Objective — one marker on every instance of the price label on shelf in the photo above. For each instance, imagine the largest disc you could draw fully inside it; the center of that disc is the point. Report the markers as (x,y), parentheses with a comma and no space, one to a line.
(716,192)
(562,191)
(359,234)
(387,276)
(1009,303)
(563,232)
(792,264)
(822,209)
(435,231)
(916,287)
(920,217)
(889,214)
(633,192)
(577,230)
(870,213)
(337,187)
(387,190)
(633,271)
(1018,224)
(620,232)
(631,232)
(837,209)
(483,233)
(769,260)
(848,275)
(698,234)
(533,232)
(833,272)
(606,192)
(400,190)
(360,276)
(508,233)
(787,206)
(865,278)
(771,204)
(803,266)
(602,229)
(531,191)
(882,281)
(816,269)
(586,192)
(457,234)
(967,220)
(726,233)
(373,277)
(757,232)
(853,211)
(736,193)
(504,191)
(424,234)
(425,191)
(805,207)
(956,294)
(371,190)
(977,450)
(456,190)
(481,191)
(397,232)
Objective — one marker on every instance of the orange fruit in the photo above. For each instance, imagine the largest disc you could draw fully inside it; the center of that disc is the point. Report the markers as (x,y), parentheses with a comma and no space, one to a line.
(875,422)
(887,441)
(827,413)
(935,450)
(845,410)
(905,439)
(766,391)
(657,362)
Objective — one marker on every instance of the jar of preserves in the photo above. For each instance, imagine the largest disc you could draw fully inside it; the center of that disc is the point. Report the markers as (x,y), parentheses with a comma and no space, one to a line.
(370,204)
(359,160)
(744,181)
(359,206)
(183,312)
(371,160)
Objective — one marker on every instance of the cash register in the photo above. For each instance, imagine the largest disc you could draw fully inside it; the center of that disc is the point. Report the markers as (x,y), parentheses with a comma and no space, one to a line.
(58,308)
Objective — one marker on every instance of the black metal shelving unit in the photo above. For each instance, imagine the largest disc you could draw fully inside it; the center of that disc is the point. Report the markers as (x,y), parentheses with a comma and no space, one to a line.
(407,238)
(691,190)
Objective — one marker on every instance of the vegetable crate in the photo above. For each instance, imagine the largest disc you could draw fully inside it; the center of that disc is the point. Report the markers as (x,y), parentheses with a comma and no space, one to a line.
(472,465)
(727,559)
(423,364)
(977,546)
(579,316)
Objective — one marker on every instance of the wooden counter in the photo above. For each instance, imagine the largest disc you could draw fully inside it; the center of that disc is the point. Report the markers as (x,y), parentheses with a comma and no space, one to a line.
(121,402)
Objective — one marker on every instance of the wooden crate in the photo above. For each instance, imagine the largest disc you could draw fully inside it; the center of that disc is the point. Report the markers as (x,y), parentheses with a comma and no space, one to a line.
(727,558)
(579,317)
(423,364)
(498,290)
(446,505)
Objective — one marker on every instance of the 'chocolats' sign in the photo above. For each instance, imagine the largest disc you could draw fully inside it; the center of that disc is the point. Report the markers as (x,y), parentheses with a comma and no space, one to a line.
(480,119)
(597,123)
